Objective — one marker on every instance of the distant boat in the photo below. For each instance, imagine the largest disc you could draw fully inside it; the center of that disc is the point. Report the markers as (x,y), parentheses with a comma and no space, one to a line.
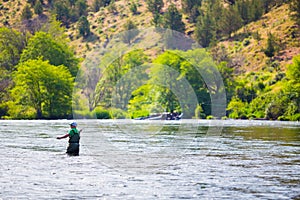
(162,116)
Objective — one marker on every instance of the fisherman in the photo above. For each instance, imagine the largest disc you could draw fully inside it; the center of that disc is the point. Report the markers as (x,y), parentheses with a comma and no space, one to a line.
(74,137)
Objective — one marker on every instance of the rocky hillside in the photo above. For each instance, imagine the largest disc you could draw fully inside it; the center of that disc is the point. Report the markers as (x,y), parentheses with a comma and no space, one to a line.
(245,47)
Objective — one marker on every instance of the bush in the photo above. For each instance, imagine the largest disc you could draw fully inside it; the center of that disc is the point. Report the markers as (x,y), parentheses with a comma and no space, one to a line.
(210,117)
(139,113)
(117,113)
(246,42)
(102,113)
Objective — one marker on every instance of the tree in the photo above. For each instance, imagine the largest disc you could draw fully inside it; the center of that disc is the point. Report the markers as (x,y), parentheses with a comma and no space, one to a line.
(230,21)
(191,7)
(133,8)
(26,13)
(96,5)
(11,45)
(42,88)
(155,6)
(108,87)
(130,32)
(38,8)
(157,19)
(80,8)
(173,19)
(84,26)
(295,10)
(237,109)
(270,50)
(256,9)
(243,8)
(44,45)
(62,11)
(205,30)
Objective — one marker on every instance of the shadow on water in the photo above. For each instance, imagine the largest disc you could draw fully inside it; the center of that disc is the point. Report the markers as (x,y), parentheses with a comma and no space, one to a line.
(265,133)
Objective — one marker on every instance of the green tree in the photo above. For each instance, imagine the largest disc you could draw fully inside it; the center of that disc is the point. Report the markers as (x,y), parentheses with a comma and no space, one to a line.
(26,13)
(244,10)
(295,10)
(41,91)
(44,45)
(62,11)
(96,5)
(84,26)
(56,30)
(237,109)
(155,6)
(191,7)
(81,8)
(38,8)
(230,21)
(12,44)
(188,65)
(173,19)
(205,30)
(157,19)
(130,32)
(270,49)
(133,7)
(108,87)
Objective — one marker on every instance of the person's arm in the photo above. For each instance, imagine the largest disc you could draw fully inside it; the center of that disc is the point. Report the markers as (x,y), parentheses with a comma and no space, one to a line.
(65,136)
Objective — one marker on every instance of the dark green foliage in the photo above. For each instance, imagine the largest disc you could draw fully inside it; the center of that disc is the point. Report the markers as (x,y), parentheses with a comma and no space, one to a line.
(31,2)
(205,30)
(191,7)
(104,3)
(38,8)
(157,19)
(246,94)
(230,22)
(26,13)
(96,5)
(173,19)
(84,26)
(133,8)
(270,49)
(11,45)
(80,8)
(62,11)
(295,10)
(155,6)
(276,108)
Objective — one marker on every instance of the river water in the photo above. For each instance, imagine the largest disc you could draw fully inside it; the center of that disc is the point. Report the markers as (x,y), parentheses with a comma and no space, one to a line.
(121,159)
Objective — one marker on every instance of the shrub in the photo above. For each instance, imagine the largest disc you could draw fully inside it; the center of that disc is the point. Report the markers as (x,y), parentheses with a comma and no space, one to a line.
(139,113)
(101,113)
(117,113)
(246,42)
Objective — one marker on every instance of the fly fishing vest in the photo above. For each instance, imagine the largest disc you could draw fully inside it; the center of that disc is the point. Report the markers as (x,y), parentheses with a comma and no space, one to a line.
(74,138)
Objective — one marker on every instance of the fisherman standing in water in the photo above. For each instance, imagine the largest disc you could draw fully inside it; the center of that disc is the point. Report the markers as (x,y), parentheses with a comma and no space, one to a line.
(74,137)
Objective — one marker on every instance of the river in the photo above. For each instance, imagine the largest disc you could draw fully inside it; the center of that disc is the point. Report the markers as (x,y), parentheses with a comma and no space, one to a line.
(122,159)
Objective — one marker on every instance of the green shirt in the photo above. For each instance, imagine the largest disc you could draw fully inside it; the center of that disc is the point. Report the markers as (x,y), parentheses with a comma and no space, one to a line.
(74,136)
(73,131)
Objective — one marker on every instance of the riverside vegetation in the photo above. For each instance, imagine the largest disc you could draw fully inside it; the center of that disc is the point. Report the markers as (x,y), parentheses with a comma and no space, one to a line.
(255,45)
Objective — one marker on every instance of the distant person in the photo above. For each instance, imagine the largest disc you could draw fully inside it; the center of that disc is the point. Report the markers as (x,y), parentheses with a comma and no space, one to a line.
(74,137)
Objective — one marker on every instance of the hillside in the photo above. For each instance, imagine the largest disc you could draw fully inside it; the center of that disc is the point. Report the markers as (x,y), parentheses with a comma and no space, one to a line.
(246,47)
(243,46)
(254,60)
